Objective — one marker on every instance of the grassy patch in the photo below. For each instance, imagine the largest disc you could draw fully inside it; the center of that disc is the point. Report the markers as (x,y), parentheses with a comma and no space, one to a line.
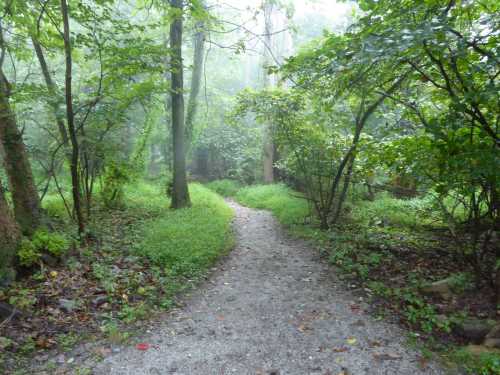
(389,211)
(377,246)
(189,240)
(142,255)
(284,203)
(226,188)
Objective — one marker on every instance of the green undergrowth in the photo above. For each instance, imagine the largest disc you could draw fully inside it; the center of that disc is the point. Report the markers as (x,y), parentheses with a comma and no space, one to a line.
(287,205)
(225,187)
(187,241)
(142,254)
(376,245)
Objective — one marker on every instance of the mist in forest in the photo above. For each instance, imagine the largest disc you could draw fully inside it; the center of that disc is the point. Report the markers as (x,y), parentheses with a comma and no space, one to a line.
(139,137)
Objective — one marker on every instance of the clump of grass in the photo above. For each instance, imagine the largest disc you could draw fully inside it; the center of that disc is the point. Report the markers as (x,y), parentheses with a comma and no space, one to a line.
(225,187)
(187,241)
(146,197)
(286,205)
(388,210)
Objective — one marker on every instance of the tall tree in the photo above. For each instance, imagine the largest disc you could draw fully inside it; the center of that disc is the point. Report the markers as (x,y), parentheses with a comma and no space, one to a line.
(268,149)
(53,99)
(199,48)
(9,236)
(70,119)
(17,165)
(180,192)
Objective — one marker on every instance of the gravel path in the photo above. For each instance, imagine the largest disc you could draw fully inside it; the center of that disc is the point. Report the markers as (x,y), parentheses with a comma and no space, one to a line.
(272,307)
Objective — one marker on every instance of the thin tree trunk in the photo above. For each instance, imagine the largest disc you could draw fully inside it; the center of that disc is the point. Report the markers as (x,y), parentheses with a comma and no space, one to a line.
(199,48)
(268,156)
(9,238)
(17,164)
(75,179)
(53,99)
(268,149)
(180,193)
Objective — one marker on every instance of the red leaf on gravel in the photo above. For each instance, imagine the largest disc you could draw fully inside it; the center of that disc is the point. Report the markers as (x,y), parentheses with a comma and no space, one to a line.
(143,346)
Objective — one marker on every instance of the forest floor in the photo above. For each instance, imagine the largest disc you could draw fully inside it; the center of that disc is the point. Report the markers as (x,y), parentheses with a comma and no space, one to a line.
(272,307)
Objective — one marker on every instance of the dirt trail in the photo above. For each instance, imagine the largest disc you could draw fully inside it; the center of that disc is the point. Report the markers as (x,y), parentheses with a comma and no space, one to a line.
(271,308)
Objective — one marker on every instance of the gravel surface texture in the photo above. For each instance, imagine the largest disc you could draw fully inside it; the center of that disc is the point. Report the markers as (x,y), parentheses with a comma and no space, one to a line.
(272,307)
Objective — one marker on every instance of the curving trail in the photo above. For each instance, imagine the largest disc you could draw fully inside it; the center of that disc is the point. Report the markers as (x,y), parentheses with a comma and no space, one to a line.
(271,308)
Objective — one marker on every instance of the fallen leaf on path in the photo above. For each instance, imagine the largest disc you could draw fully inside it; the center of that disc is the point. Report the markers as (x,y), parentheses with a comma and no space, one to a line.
(103,352)
(355,308)
(352,341)
(374,343)
(143,346)
(304,328)
(386,356)
(340,349)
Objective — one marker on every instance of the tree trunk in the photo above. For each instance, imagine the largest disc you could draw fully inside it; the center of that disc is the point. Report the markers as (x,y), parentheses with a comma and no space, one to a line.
(199,48)
(17,165)
(9,238)
(268,156)
(53,99)
(75,179)
(180,193)
(268,149)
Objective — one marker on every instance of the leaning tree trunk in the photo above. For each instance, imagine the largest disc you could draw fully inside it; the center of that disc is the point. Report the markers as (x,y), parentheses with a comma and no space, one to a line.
(180,193)
(17,165)
(9,237)
(53,91)
(70,118)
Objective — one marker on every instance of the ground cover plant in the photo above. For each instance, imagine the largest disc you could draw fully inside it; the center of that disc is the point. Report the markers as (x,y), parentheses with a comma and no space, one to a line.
(128,127)
(142,256)
(390,250)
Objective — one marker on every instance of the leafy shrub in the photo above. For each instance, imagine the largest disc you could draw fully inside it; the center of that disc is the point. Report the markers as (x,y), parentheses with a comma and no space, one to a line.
(115,177)
(28,253)
(387,210)
(54,243)
(54,206)
(482,364)
(225,187)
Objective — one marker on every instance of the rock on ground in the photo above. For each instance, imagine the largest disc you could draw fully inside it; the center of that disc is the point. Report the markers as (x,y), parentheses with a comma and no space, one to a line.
(272,307)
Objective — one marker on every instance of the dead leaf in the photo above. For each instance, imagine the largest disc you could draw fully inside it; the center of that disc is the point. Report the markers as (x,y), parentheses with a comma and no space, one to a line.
(374,343)
(386,356)
(103,351)
(352,340)
(340,349)
(304,328)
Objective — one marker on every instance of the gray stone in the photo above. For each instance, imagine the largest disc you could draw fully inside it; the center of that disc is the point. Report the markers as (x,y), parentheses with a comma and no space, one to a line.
(441,288)
(474,330)
(67,305)
(478,350)
(49,260)
(9,312)
(99,300)
(492,339)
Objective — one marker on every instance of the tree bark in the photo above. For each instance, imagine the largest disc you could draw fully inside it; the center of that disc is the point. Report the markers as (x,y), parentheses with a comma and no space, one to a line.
(180,192)
(70,119)
(268,148)
(9,237)
(53,99)
(17,165)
